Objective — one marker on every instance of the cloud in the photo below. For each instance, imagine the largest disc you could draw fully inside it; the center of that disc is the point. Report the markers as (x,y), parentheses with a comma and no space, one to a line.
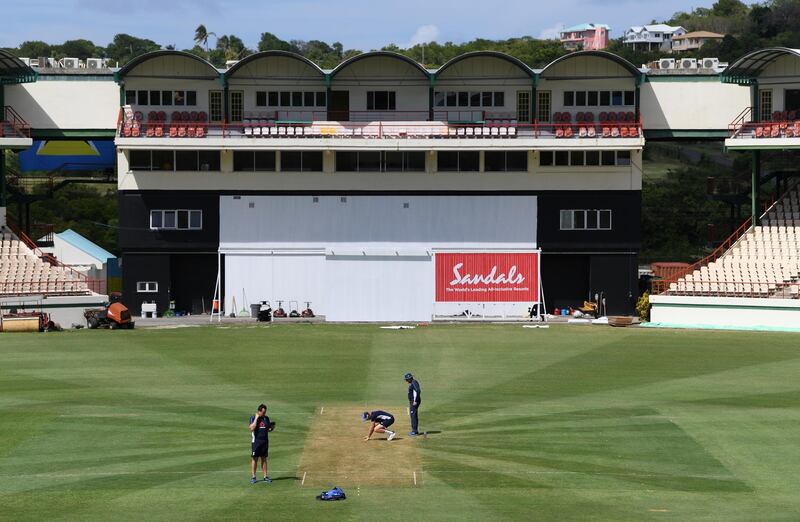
(425,34)
(553,32)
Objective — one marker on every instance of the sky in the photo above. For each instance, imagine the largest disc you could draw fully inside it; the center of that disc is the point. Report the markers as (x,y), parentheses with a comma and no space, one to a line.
(357,24)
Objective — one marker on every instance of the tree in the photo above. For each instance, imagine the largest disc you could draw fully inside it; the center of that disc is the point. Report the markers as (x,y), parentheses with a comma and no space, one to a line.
(270,42)
(125,47)
(201,35)
(34,49)
(81,49)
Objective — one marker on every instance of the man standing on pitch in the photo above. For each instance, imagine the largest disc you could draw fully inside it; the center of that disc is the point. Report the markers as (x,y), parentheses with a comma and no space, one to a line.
(414,400)
(260,426)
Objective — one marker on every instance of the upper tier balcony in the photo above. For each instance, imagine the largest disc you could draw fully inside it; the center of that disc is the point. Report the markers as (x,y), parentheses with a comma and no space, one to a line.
(779,130)
(326,129)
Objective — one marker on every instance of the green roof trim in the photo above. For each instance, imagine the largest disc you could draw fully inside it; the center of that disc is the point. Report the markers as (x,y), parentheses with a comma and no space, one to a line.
(14,71)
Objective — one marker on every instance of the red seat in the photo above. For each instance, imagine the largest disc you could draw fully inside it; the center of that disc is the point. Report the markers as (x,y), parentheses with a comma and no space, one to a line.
(202,116)
(588,117)
(623,132)
(185,116)
(176,116)
(181,132)
(559,132)
(138,116)
(150,132)
(152,116)
(159,131)
(634,132)
(579,117)
(193,116)
(173,131)
(603,117)
(201,131)
(568,132)
(606,132)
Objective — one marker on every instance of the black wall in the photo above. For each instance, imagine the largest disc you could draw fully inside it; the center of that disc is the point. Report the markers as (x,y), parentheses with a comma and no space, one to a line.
(134,220)
(145,267)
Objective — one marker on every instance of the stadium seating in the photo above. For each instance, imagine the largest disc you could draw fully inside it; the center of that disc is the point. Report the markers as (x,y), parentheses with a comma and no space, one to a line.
(764,262)
(23,273)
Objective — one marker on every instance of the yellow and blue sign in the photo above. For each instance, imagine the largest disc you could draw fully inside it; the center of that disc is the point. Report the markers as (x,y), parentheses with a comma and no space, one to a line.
(68,155)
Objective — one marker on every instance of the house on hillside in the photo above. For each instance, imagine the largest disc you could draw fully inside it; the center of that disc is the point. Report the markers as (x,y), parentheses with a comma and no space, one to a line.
(655,37)
(587,37)
(694,41)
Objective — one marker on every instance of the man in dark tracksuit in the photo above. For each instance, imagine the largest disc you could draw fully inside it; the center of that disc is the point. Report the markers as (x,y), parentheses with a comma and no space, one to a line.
(260,426)
(414,400)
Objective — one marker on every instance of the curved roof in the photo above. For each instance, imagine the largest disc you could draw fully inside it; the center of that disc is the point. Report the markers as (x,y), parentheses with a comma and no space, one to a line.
(494,54)
(128,67)
(753,64)
(267,54)
(374,54)
(628,66)
(14,70)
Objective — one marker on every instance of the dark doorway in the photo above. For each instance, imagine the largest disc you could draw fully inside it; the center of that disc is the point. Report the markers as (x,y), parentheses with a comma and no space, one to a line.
(339,106)
(193,279)
(792,100)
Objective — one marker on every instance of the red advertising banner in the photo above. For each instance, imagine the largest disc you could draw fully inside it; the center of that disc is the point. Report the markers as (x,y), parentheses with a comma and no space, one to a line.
(491,277)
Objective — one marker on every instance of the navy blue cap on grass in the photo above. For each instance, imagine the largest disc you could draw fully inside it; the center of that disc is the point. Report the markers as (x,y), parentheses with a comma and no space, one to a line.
(365,416)
(408,376)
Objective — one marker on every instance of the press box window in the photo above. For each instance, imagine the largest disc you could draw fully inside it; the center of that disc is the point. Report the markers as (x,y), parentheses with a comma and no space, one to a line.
(147,287)
(176,219)
(254,161)
(301,161)
(381,100)
(455,161)
(591,219)
(505,161)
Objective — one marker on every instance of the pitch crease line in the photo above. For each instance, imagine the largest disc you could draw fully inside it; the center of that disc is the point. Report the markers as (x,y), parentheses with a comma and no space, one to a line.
(415,478)
(304,478)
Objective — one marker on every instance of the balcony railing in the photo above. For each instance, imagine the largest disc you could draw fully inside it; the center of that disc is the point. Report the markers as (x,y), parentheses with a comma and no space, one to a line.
(12,125)
(779,124)
(751,289)
(446,124)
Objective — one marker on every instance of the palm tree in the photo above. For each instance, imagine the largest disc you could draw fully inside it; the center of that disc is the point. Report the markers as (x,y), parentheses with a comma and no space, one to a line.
(201,35)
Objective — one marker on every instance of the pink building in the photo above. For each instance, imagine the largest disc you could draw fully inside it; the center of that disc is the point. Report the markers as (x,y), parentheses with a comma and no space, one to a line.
(588,37)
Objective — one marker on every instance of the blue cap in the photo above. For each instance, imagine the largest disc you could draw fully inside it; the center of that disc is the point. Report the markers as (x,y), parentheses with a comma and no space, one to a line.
(408,376)
(365,416)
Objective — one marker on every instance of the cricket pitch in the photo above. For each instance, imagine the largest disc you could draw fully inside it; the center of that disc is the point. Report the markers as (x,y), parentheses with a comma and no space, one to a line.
(336,454)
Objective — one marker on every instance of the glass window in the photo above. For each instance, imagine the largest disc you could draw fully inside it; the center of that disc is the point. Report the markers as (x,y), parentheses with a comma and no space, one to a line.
(346,161)
(579,219)
(469,161)
(494,161)
(591,219)
(447,161)
(629,98)
(592,158)
(163,160)
(265,160)
(186,160)
(183,219)
(166,97)
(616,98)
(438,99)
(592,98)
(209,160)
(499,99)
(451,98)
(142,97)
(543,106)
(215,105)
(605,220)
(169,219)
(308,99)
(474,99)
(624,157)
(297,99)
(147,286)
(393,161)
(291,161)
(567,220)
(261,98)
(569,98)
(608,158)
(414,161)
(576,157)
(178,98)
(463,99)
(243,160)
(237,105)
(191,98)
(286,99)
(312,161)
(370,100)
(562,158)
(156,219)
(605,98)
(196,219)
(580,99)
(321,99)
(272,99)
(130,97)
(486,99)
(369,161)
(140,160)
(380,100)
(546,158)
(155,97)
(392,100)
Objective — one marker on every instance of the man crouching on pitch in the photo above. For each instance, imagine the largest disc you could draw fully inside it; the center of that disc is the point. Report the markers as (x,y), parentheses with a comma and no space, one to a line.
(260,426)
(379,422)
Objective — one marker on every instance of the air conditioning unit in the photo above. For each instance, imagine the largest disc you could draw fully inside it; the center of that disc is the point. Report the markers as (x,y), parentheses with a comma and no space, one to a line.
(666,63)
(688,63)
(70,63)
(96,63)
(230,63)
(49,62)
(710,63)
(26,61)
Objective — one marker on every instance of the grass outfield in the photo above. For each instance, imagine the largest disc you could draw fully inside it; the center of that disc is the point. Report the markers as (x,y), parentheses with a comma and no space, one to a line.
(570,423)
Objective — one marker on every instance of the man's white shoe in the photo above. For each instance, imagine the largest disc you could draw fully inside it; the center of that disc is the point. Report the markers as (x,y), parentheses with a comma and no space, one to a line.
(392,435)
